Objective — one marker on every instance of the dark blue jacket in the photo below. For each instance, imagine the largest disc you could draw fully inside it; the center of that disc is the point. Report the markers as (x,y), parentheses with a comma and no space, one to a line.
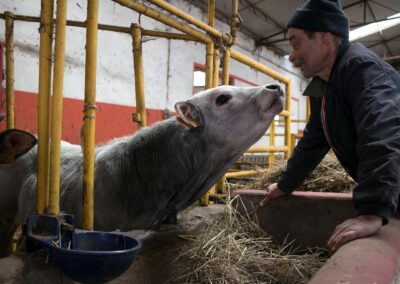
(362,126)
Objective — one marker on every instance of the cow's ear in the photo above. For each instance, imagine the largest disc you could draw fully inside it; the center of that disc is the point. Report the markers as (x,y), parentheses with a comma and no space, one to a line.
(14,143)
(188,115)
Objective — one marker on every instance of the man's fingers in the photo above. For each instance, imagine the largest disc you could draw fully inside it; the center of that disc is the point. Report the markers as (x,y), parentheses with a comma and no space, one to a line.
(341,228)
(336,242)
(354,228)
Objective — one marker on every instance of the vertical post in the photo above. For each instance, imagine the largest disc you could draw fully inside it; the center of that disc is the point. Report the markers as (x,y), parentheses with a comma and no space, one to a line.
(234,20)
(45,52)
(89,117)
(56,122)
(225,66)
(216,60)
(140,116)
(288,119)
(10,69)
(209,65)
(308,108)
(204,200)
(271,156)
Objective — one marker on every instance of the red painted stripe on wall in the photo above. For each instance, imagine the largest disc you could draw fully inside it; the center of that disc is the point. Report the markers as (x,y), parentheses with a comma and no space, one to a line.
(111,120)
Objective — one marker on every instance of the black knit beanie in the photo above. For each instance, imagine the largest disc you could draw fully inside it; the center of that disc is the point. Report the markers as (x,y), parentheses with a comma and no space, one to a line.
(321,16)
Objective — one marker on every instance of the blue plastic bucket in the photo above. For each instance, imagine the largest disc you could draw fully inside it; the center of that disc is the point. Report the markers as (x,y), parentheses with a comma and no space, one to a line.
(95,256)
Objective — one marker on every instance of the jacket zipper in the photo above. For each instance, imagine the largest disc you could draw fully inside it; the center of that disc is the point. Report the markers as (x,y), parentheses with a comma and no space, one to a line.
(323,119)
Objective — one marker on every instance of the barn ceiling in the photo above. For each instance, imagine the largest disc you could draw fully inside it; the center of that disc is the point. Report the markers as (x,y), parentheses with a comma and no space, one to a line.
(265,22)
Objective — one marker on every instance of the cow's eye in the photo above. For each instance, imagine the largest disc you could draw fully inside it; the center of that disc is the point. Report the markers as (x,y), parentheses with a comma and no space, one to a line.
(222,99)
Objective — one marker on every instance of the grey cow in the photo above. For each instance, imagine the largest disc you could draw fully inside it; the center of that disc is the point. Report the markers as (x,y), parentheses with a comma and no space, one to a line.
(144,179)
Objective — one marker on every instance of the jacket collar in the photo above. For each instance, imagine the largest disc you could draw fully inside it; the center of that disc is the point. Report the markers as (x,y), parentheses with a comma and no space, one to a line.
(344,46)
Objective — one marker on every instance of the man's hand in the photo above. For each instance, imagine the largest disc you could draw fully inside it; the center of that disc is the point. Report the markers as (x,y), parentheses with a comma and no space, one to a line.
(354,228)
(273,192)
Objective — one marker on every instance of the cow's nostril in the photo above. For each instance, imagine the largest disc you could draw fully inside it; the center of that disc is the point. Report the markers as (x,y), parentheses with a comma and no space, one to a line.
(273,87)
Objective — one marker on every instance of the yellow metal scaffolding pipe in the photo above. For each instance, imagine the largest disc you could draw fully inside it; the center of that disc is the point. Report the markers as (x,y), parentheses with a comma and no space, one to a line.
(205,200)
(258,66)
(112,28)
(169,35)
(271,157)
(89,117)
(234,20)
(200,24)
(288,119)
(140,116)
(45,53)
(245,173)
(285,113)
(210,47)
(10,70)
(215,67)
(56,124)
(211,15)
(142,9)
(262,149)
(226,60)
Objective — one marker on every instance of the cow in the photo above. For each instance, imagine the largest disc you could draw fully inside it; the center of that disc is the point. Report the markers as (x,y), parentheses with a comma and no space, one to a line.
(145,179)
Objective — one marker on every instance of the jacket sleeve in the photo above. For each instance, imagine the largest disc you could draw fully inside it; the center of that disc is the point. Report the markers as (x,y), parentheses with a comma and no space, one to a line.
(375,102)
(307,154)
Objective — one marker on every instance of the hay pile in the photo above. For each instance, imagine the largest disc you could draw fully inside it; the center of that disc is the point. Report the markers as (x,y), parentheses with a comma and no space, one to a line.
(329,176)
(235,250)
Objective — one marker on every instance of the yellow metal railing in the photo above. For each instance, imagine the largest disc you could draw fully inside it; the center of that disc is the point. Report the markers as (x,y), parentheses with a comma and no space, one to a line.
(56,122)
(45,55)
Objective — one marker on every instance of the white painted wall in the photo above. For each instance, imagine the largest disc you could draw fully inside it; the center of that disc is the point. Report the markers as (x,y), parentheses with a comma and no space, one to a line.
(168,65)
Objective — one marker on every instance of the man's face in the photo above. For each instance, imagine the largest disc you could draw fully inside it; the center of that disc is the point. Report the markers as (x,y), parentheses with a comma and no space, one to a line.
(308,54)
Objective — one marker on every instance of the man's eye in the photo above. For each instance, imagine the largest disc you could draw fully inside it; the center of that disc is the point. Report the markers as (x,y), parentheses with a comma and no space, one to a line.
(222,99)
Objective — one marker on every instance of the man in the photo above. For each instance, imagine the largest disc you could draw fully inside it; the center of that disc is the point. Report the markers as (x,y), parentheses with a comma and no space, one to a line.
(355,111)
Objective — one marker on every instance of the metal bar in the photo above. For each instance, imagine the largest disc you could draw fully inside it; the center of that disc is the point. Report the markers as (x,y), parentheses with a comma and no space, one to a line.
(245,173)
(56,124)
(258,66)
(299,120)
(111,28)
(10,70)
(45,53)
(216,62)
(181,14)
(235,23)
(210,46)
(271,156)
(288,119)
(285,113)
(204,200)
(226,60)
(89,118)
(140,115)
(263,149)
(209,65)
(142,9)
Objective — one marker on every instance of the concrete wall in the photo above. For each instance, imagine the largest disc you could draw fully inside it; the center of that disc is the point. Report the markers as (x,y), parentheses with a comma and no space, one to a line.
(168,64)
